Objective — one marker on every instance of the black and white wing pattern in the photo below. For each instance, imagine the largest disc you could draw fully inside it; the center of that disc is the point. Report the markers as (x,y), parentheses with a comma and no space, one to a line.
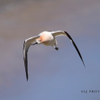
(60,32)
(27,43)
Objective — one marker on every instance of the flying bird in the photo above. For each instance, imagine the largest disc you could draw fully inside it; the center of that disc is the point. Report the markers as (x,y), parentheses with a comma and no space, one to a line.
(47,38)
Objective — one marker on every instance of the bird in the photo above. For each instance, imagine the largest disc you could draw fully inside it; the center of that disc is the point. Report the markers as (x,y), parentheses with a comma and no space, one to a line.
(47,38)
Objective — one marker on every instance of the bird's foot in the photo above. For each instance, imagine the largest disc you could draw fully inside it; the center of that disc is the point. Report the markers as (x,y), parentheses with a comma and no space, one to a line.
(56,48)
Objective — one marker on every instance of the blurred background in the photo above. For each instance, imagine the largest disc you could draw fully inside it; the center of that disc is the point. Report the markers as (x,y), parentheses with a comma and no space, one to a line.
(53,75)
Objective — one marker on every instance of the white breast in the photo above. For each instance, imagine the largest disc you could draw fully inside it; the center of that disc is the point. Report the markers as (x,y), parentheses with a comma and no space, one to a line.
(47,38)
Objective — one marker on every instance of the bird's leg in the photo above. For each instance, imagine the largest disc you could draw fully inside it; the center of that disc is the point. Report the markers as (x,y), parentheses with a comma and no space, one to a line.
(56,48)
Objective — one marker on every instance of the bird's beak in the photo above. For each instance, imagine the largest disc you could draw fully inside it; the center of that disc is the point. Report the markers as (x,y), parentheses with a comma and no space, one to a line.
(35,43)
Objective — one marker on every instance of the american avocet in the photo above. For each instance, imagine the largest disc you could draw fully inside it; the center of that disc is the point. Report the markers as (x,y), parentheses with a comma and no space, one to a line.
(47,38)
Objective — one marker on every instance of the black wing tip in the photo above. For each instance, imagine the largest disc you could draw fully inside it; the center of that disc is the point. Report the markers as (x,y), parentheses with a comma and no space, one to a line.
(27,75)
(25,60)
(84,65)
(26,71)
(75,47)
(66,33)
(26,78)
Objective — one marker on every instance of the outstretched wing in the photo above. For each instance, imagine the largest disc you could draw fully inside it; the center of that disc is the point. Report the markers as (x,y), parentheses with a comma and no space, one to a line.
(27,43)
(57,33)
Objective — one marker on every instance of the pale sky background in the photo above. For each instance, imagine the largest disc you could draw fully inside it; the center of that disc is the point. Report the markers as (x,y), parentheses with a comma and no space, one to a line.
(53,75)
